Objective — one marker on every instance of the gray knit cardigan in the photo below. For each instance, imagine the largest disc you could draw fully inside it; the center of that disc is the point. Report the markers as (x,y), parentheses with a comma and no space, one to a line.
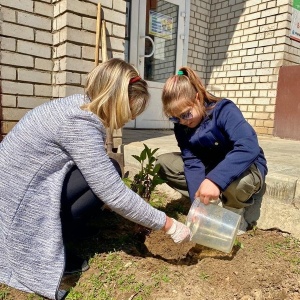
(34,158)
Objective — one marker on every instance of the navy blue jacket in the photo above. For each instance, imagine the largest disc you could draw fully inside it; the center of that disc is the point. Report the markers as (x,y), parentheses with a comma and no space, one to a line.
(220,148)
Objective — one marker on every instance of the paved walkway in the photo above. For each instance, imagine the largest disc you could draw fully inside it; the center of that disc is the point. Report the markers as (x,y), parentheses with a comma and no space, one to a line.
(283,156)
(282,182)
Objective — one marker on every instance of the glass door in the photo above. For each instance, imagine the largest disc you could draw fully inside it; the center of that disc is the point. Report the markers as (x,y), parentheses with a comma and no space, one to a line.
(157,43)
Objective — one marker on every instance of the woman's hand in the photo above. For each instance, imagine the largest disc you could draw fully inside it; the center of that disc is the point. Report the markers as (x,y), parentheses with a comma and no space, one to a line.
(179,232)
(207,192)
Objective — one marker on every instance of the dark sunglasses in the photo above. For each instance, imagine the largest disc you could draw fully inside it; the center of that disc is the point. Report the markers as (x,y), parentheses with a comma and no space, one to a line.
(184,116)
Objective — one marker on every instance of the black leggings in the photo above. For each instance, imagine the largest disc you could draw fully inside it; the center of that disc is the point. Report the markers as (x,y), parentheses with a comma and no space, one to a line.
(78,202)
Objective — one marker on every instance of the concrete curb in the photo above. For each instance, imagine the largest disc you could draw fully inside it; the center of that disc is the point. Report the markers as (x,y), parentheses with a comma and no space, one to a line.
(282,187)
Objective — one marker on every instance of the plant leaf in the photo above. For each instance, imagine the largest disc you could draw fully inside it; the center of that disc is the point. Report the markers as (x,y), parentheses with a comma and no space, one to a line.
(156,168)
(154,151)
(157,181)
(143,155)
(136,157)
(152,160)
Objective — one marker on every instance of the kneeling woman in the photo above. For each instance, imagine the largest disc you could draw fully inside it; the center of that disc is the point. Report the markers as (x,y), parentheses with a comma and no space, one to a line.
(55,169)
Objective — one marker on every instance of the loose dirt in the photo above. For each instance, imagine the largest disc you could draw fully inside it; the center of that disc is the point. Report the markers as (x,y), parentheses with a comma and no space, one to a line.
(122,266)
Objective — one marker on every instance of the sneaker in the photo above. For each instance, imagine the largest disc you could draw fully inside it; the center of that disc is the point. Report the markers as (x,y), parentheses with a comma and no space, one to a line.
(61,294)
(75,264)
(243,225)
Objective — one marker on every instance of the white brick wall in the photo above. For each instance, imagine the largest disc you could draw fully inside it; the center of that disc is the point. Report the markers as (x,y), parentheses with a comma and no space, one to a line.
(74,38)
(26,57)
(243,47)
(199,36)
(236,47)
(48,47)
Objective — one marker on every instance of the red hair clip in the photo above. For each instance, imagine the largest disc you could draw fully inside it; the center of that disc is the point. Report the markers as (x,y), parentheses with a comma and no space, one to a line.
(134,79)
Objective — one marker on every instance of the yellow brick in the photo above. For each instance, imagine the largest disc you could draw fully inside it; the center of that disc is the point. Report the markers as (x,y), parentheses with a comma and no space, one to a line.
(7,126)
(269,123)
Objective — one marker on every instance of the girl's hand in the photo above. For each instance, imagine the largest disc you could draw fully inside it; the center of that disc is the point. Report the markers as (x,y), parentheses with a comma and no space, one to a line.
(207,192)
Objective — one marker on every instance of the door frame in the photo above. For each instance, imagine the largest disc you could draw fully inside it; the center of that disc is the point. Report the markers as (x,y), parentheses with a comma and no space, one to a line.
(136,43)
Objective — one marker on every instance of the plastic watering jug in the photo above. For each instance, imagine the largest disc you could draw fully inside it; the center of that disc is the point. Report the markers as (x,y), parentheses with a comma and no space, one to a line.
(213,226)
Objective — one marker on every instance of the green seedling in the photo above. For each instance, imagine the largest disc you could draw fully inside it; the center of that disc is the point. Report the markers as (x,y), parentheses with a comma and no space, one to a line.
(73,295)
(3,295)
(127,181)
(254,230)
(161,276)
(203,276)
(274,249)
(238,244)
(147,179)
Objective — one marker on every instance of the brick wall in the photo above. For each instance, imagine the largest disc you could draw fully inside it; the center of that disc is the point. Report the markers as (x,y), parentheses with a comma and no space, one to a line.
(48,47)
(74,39)
(199,36)
(291,50)
(248,44)
(26,57)
(238,49)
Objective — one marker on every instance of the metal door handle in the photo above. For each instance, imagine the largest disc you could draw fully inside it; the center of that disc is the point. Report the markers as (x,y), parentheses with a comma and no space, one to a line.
(153,46)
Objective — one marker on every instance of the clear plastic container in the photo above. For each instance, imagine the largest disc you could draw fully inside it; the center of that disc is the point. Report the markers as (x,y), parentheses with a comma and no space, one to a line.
(213,226)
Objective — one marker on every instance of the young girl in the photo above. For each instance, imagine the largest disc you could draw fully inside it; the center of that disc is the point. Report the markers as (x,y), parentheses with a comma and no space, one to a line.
(55,171)
(220,157)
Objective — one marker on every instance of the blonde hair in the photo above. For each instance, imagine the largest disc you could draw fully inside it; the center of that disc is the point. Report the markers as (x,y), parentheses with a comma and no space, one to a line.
(180,91)
(113,98)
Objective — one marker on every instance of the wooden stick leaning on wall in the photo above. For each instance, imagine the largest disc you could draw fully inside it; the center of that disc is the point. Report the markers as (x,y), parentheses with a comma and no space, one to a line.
(103,41)
(119,157)
(98,32)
